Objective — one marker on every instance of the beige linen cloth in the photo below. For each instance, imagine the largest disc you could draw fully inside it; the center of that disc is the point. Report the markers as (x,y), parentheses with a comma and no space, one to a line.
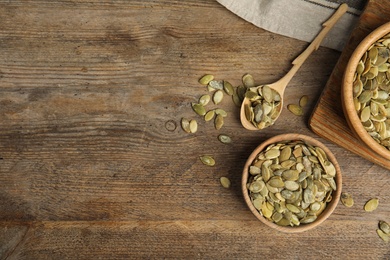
(299,19)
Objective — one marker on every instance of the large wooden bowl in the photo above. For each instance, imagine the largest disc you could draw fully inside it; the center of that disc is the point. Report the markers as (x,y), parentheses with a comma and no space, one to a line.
(350,112)
(330,206)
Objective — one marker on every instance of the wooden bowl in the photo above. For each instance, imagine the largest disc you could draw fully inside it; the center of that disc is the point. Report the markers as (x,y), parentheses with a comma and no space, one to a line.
(330,207)
(347,92)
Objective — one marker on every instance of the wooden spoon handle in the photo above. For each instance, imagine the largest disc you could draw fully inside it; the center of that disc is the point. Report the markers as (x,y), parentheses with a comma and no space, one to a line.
(315,44)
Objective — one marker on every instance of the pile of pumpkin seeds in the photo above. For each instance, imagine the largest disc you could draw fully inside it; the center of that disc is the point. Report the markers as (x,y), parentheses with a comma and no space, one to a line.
(291,183)
(264,106)
(371,88)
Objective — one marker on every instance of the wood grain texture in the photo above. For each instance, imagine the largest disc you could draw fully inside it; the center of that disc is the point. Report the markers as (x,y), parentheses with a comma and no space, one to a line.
(328,119)
(94,162)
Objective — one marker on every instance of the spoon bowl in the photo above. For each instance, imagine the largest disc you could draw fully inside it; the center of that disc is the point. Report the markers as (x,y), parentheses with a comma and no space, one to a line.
(280,85)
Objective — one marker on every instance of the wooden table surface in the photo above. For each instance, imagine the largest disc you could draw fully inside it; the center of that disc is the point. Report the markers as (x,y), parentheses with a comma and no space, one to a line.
(94,163)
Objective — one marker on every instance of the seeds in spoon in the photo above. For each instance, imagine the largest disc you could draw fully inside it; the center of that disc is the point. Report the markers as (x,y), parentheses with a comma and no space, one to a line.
(264,106)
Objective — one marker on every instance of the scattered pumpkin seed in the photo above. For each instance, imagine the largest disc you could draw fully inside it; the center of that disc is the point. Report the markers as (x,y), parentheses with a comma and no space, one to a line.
(206,79)
(207,160)
(385,237)
(218,122)
(225,182)
(204,100)
(228,88)
(346,199)
(218,96)
(295,109)
(199,109)
(193,126)
(216,84)
(248,81)
(220,111)
(209,115)
(224,139)
(185,125)
(303,101)
(385,227)
(371,205)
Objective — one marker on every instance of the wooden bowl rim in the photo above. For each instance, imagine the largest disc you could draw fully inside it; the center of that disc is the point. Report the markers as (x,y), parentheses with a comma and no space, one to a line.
(335,196)
(347,93)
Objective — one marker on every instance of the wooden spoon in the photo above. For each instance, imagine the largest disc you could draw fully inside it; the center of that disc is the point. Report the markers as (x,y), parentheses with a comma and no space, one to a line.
(280,85)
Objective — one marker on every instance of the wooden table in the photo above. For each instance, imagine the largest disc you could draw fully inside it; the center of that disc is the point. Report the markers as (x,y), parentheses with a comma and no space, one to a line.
(94,163)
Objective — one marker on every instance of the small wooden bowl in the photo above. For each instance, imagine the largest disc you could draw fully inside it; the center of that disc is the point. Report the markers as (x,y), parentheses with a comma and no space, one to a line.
(350,113)
(330,206)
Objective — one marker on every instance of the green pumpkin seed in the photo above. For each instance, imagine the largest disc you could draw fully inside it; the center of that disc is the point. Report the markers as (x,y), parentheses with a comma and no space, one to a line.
(385,237)
(295,109)
(218,122)
(217,97)
(228,88)
(225,139)
(303,101)
(225,182)
(207,160)
(199,109)
(206,79)
(385,227)
(346,199)
(371,205)
(209,115)
(193,126)
(185,125)
(204,100)
(248,81)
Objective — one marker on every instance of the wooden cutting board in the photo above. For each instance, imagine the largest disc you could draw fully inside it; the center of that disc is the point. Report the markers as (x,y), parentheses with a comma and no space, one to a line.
(328,120)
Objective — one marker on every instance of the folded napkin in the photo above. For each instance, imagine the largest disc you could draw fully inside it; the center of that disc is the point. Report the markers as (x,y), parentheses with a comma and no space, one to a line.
(299,19)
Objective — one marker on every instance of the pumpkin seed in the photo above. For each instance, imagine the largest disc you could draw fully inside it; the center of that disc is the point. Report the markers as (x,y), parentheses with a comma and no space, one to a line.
(199,109)
(371,205)
(248,81)
(224,139)
(225,182)
(346,199)
(220,111)
(385,237)
(207,160)
(295,109)
(385,227)
(193,126)
(215,84)
(209,115)
(228,88)
(185,125)
(218,96)
(204,100)
(218,122)
(303,101)
(206,79)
